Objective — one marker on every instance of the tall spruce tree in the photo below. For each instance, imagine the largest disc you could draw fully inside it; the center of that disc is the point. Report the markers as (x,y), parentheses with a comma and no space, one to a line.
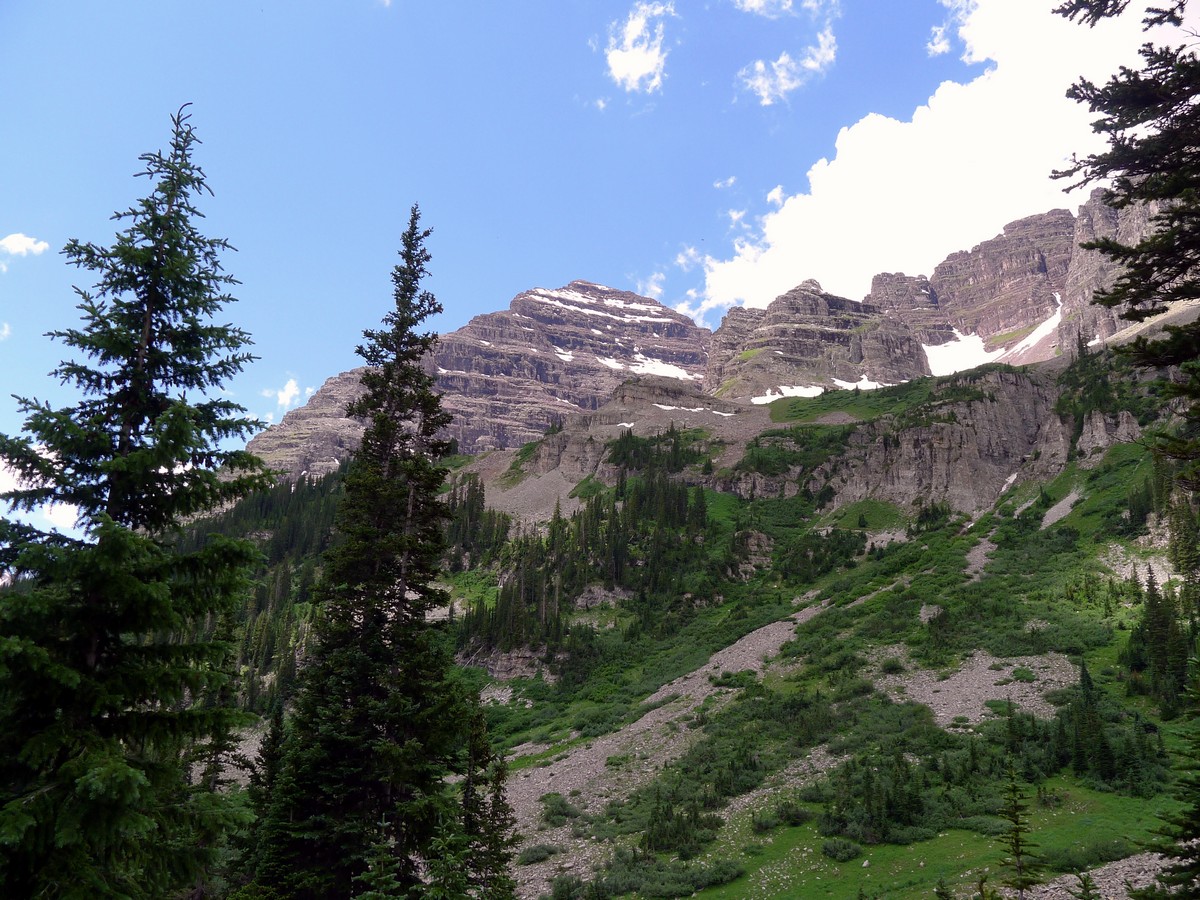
(1150,117)
(1021,865)
(113,691)
(379,721)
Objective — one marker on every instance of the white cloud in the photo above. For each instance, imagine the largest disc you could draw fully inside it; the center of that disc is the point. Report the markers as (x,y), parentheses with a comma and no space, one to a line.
(735,216)
(769,8)
(18,244)
(722,183)
(287,395)
(688,258)
(775,195)
(635,55)
(5,331)
(939,43)
(901,195)
(22,245)
(61,516)
(653,286)
(772,82)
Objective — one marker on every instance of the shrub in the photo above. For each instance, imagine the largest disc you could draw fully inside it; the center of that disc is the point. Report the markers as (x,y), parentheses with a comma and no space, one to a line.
(891,666)
(536,853)
(841,850)
(764,821)
(1080,857)
(556,809)
(792,813)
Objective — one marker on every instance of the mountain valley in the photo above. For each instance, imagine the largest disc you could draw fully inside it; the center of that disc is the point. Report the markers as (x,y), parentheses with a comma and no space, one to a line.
(765,612)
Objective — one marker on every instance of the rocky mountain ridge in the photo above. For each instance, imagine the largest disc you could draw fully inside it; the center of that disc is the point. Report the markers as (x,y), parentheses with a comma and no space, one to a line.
(509,376)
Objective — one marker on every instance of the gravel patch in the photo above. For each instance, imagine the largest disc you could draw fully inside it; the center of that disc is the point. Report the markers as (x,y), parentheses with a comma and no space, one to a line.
(614,764)
(1060,509)
(978,556)
(961,695)
(1112,880)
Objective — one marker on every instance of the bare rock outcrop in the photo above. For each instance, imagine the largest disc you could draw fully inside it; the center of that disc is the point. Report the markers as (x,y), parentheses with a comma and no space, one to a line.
(507,377)
(1004,287)
(314,439)
(808,337)
(989,431)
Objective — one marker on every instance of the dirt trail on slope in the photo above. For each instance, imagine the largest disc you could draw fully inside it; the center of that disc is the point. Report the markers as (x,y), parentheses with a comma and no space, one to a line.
(585,776)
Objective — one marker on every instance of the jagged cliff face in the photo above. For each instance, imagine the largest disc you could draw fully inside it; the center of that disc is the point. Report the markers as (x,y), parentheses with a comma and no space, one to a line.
(316,437)
(507,377)
(1023,296)
(966,453)
(1089,270)
(1004,287)
(806,338)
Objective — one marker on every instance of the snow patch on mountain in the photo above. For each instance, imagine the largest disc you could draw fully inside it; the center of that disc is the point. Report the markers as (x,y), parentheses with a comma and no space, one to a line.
(1044,330)
(966,351)
(863,384)
(785,390)
(646,365)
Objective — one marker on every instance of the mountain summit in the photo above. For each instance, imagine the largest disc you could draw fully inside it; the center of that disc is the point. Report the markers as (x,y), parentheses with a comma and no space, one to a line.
(509,376)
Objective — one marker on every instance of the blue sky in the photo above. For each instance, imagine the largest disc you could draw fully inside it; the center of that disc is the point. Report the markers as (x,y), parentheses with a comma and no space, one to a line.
(705,153)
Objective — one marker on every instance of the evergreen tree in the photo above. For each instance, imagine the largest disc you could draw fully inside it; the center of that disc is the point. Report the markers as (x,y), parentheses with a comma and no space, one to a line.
(379,721)
(1181,831)
(1150,117)
(113,689)
(1021,863)
(1085,888)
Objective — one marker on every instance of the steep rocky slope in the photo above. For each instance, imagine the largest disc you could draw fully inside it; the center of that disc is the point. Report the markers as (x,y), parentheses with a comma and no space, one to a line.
(809,338)
(509,376)
(1021,297)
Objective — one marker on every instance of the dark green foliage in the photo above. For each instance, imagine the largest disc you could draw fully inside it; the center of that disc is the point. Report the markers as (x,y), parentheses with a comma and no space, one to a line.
(1085,888)
(1150,117)
(670,451)
(474,533)
(293,524)
(748,741)
(1021,864)
(802,448)
(536,853)
(634,871)
(115,690)
(809,556)
(841,850)
(1180,833)
(1157,652)
(557,809)
(379,719)
(650,536)
(907,779)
